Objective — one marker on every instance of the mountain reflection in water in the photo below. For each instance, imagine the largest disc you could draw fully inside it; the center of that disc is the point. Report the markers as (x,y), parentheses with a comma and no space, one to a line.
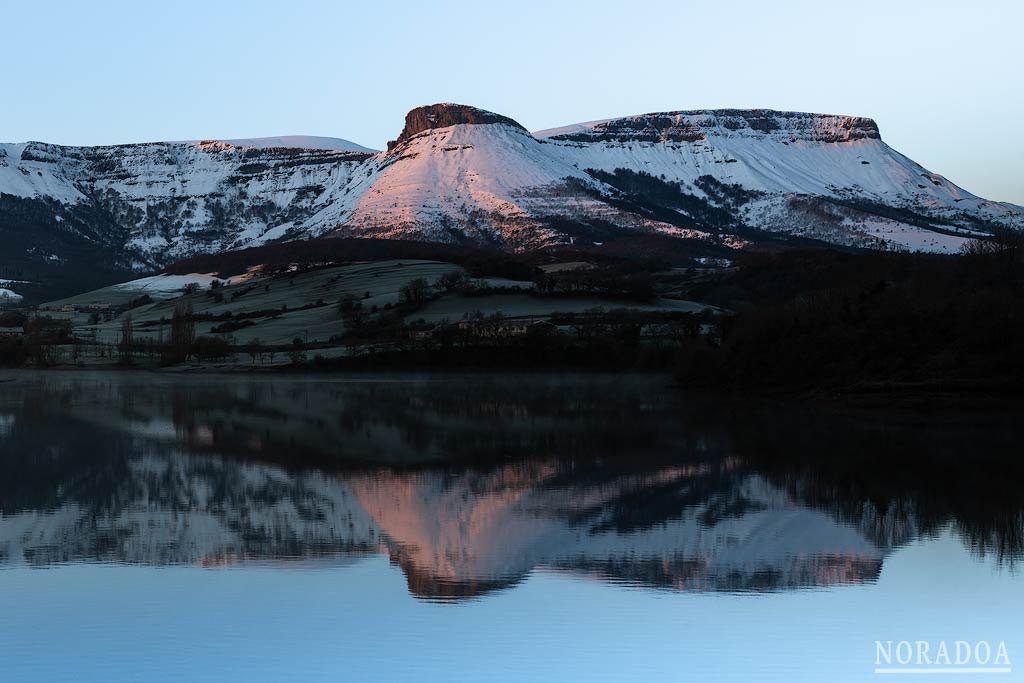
(470,483)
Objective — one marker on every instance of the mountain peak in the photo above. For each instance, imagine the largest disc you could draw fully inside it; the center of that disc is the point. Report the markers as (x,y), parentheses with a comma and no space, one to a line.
(447,114)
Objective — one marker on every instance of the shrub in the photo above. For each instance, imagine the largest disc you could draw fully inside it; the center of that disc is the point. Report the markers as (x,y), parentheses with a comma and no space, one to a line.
(210,348)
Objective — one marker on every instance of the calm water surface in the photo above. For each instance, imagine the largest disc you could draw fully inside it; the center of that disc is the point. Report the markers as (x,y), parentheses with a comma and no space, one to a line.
(159,528)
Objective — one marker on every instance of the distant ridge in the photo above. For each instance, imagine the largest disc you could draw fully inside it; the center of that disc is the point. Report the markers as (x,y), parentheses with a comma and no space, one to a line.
(293,141)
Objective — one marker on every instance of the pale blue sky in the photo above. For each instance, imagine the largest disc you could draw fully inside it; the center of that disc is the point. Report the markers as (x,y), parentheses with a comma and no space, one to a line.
(942,79)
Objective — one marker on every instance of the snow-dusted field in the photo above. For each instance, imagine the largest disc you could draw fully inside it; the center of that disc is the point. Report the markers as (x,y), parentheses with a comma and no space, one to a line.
(304,304)
(300,305)
(165,286)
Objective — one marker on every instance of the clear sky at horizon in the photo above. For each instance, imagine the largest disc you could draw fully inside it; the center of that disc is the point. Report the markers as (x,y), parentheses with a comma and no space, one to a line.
(942,79)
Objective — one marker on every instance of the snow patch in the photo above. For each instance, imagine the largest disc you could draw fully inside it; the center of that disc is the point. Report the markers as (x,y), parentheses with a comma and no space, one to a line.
(166,286)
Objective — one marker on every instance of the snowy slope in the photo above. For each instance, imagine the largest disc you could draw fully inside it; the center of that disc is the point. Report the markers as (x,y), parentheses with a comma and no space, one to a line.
(785,155)
(484,180)
(457,174)
(166,286)
(462,180)
(461,174)
(162,201)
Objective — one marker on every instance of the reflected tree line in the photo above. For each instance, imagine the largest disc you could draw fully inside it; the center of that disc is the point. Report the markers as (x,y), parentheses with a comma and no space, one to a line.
(897,474)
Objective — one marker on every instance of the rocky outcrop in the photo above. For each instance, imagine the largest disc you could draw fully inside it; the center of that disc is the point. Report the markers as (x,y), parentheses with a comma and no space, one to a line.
(443,115)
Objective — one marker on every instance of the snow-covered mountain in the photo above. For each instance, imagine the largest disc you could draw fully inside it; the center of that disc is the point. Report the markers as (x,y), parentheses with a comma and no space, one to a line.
(456,173)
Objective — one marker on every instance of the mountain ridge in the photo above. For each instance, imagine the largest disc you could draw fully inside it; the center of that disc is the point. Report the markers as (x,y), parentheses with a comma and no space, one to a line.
(460,174)
(292,142)
(829,127)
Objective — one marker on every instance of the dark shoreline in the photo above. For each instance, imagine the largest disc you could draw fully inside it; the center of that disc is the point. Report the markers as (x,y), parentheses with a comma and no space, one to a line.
(914,397)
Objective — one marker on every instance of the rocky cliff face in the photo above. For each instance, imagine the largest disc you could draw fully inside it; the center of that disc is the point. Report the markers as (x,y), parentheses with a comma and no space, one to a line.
(171,198)
(435,116)
(717,178)
(695,126)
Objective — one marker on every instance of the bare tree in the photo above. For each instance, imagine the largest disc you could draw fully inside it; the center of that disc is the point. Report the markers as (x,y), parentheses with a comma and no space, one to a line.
(256,350)
(415,292)
(183,332)
(125,345)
